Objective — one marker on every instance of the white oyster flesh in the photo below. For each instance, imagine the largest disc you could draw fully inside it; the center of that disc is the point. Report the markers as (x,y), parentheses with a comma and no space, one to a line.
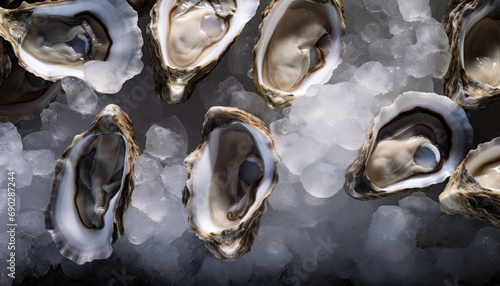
(418,141)
(394,160)
(195,33)
(484,166)
(300,45)
(480,43)
(231,178)
(89,190)
(62,37)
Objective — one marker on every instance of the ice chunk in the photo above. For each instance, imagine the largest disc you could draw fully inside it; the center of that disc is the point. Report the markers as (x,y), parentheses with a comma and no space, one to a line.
(31,223)
(375,77)
(22,169)
(322,180)
(391,8)
(302,152)
(415,10)
(62,121)
(36,196)
(164,143)
(349,134)
(146,169)
(429,56)
(10,142)
(39,140)
(149,197)
(392,234)
(174,179)
(43,161)
(81,98)
(138,226)
(339,156)
(102,76)
(175,222)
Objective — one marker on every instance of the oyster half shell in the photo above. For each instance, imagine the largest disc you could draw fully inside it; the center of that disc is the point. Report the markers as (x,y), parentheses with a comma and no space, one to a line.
(59,38)
(93,185)
(414,143)
(299,44)
(231,174)
(188,37)
(474,188)
(473,28)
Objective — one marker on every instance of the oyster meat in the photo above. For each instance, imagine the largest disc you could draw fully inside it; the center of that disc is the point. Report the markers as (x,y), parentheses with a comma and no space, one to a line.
(231,174)
(54,39)
(416,142)
(187,39)
(93,185)
(474,188)
(473,28)
(299,44)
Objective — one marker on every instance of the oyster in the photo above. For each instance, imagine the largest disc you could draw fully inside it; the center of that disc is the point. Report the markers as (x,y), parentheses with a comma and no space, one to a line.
(93,185)
(22,94)
(299,44)
(54,39)
(416,142)
(474,188)
(231,174)
(473,27)
(187,39)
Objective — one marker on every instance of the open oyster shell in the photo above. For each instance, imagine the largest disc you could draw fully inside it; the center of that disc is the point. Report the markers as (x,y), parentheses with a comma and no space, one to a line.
(299,44)
(474,188)
(22,94)
(416,142)
(93,185)
(231,174)
(59,38)
(473,26)
(188,37)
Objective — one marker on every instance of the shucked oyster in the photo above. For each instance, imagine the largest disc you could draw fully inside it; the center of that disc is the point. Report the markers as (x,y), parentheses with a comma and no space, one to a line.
(22,94)
(416,142)
(59,38)
(93,185)
(473,28)
(231,174)
(299,44)
(474,189)
(187,39)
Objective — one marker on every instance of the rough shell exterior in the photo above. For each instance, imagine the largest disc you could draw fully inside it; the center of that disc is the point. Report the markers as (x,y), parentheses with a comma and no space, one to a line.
(465,196)
(275,99)
(246,231)
(457,84)
(121,123)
